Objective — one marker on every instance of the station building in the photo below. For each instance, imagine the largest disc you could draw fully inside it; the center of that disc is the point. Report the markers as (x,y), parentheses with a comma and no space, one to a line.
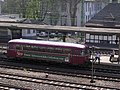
(6,33)
(108,17)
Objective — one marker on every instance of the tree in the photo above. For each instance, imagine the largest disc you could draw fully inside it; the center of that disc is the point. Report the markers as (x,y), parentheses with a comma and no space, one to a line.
(9,6)
(40,9)
(71,6)
(32,9)
(53,11)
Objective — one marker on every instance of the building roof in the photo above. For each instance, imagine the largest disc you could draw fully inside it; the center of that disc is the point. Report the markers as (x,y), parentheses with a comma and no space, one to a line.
(109,16)
(59,28)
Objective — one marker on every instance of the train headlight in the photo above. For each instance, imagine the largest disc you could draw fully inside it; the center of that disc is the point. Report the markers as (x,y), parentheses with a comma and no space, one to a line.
(67,59)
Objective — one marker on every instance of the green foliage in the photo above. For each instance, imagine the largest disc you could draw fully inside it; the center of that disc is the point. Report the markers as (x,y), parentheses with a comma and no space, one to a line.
(32,9)
(53,11)
(118,1)
(9,7)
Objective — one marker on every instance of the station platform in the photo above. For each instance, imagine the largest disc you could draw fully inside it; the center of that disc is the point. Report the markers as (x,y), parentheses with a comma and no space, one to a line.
(104,59)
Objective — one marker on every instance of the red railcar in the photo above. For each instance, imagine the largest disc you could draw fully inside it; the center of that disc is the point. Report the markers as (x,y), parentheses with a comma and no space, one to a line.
(48,50)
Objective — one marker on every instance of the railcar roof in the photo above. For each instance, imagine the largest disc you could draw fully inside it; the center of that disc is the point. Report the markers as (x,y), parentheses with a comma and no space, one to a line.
(46,43)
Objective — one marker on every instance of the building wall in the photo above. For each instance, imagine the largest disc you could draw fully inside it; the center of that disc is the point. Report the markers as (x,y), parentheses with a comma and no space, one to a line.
(28,33)
(91,8)
(5,35)
(83,14)
(0,5)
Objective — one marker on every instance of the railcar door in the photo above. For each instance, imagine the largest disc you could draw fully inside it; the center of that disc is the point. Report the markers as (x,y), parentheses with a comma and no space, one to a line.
(19,51)
(11,51)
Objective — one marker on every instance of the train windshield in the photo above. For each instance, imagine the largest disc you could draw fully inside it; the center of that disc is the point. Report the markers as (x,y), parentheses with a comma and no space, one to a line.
(84,51)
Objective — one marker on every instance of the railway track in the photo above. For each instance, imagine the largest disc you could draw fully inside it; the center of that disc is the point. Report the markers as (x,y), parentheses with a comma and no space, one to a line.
(96,66)
(59,83)
(11,87)
(65,72)
(79,75)
(101,73)
(105,71)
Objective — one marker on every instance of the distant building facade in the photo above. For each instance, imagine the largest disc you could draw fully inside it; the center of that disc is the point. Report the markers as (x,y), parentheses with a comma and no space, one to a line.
(29,33)
(86,9)
(1,1)
(106,18)
(91,7)
(10,33)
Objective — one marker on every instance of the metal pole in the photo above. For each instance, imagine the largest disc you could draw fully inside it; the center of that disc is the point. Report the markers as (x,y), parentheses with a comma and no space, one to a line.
(119,50)
(92,79)
(48,35)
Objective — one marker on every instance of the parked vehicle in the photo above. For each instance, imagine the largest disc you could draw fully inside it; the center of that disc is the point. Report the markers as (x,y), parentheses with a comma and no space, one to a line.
(43,34)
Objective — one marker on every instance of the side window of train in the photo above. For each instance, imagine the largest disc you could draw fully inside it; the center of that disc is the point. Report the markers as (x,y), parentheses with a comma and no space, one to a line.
(79,52)
(23,46)
(18,47)
(58,50)
(41,48)
(76,52)
(26,47)
(86,51)
(66,51)
(34,48)
(11,46)
(50,49)
(82,52)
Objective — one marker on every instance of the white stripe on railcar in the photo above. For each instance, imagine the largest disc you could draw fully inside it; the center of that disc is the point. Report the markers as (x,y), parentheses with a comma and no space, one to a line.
(47,43)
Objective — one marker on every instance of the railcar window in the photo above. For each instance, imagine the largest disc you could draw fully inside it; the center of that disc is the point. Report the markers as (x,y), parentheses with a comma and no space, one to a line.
(23,47)
(26,47)
(46,49)
(79,52)
(66,50)
(82,52)
(11,46)
(58,50)
(33,48)
(76,52)
(42,48)
(86,51)
(50,49)
(18,47)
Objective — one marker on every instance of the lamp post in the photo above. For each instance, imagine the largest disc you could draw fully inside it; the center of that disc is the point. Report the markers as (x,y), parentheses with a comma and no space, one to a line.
(92,79)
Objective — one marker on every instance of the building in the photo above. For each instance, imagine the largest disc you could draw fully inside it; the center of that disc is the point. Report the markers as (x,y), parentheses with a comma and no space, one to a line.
(108,17)
(1,1)
(6,33)
(91,7)
(29,33)
(85,10)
